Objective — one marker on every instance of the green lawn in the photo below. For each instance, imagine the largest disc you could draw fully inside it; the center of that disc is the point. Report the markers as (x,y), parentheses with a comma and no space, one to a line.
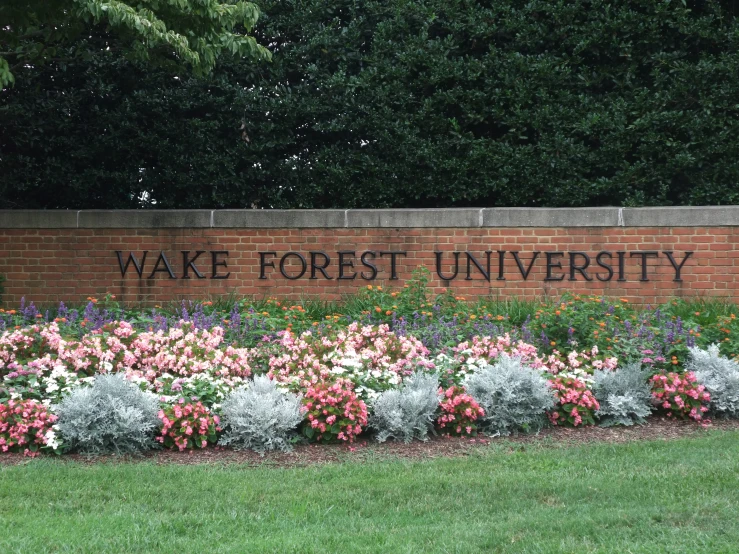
(676,496)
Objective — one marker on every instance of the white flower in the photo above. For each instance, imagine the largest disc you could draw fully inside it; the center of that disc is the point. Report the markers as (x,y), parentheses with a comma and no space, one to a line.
(59,371)
(51,441)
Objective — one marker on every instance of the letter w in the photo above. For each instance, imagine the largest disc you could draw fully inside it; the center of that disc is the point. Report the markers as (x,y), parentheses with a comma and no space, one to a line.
(131,258)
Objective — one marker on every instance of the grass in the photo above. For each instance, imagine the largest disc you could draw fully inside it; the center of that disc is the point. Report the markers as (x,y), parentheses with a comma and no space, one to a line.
(659,496)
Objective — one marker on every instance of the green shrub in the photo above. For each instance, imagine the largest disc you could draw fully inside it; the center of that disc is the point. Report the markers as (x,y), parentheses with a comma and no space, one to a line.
(396,103)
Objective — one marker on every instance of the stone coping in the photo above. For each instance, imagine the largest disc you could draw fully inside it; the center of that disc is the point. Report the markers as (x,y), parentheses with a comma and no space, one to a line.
(689,216)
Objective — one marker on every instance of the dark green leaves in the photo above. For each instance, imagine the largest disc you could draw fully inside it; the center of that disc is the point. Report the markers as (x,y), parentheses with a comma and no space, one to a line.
(397,104)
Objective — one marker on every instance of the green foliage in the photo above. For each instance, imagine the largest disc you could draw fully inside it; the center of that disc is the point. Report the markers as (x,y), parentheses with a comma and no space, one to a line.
(395,104)
(195,32)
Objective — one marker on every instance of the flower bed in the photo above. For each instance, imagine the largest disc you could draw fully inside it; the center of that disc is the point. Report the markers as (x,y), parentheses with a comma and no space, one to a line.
(191,360)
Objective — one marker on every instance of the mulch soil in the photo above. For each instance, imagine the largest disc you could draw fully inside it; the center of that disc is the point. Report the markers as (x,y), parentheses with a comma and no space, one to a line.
(657,428)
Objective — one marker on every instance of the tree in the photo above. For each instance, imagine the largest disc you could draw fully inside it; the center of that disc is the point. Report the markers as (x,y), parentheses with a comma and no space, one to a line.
(195,32)
(396,103)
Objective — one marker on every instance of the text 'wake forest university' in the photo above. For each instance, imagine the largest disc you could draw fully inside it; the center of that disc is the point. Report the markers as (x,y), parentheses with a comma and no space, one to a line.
(349,264)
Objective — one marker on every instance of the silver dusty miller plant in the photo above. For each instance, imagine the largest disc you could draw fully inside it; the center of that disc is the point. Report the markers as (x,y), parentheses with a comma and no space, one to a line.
(720,376)
(113,416)
(407,413)
(515,396)
(624,395)
(260,416)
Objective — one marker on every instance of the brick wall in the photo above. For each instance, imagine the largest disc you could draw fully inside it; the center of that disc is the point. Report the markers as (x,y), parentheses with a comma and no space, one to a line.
(48,258)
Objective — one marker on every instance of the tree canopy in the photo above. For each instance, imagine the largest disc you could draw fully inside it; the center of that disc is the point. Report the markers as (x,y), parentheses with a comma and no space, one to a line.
(193,31)
(396,103)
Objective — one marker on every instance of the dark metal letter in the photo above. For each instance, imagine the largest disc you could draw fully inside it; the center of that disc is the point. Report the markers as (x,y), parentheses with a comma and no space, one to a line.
(373,267)
(525,273)
(472,260)
(303,263)
(644,256)
(393,255)
(166,268)
(321,268)
(551,265)
(216,264)
(581,268)
(187,263)
(501,264)
(264,264)
(675,265)
(343,264)
(438,266)
(606,266)
(131,258)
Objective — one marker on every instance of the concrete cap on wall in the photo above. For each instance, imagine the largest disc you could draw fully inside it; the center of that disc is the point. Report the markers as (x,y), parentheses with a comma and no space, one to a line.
(688,216)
